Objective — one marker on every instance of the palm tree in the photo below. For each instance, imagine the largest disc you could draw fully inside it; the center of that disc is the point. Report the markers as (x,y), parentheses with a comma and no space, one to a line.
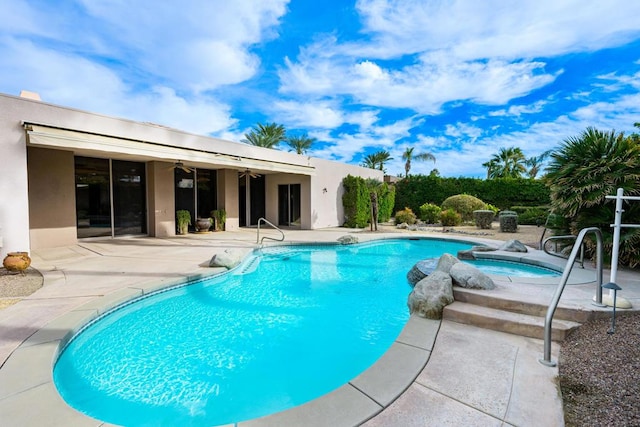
(535,163)
(376,160)
(584,171)
(269,135)
(300,143)
(508,163)
(408,155)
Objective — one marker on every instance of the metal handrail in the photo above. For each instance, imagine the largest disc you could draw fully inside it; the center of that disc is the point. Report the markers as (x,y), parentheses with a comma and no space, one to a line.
(563,282)
(543,246)
(268,237)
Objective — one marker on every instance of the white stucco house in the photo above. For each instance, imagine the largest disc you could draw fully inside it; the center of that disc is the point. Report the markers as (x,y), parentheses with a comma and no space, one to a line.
(69,175)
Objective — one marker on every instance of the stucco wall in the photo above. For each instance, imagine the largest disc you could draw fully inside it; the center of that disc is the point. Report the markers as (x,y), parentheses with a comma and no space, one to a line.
(52,199)
(228,197)
(272,182)
(161,198)
(14,205)
(326,206)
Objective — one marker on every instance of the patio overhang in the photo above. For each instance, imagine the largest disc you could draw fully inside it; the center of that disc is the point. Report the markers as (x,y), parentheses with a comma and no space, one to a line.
(93,144)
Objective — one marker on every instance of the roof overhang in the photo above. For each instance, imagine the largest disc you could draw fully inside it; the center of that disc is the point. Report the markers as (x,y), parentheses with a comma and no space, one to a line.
(85,143)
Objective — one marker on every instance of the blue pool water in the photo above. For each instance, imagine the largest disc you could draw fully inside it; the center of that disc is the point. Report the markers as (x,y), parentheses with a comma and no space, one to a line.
(284,328)
(514,269)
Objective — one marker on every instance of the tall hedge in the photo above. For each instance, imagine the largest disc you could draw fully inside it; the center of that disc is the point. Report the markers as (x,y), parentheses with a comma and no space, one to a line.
(416,190)
(357,201)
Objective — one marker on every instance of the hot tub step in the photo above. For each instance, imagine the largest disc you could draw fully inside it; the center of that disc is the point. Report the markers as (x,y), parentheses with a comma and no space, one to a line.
(516,305)
(505,321)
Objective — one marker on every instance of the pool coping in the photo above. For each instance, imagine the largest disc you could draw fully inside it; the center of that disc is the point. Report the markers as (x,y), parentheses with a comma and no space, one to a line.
(353,403)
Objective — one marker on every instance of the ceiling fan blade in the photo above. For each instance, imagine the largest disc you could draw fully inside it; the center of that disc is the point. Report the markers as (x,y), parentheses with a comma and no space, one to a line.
(186,169)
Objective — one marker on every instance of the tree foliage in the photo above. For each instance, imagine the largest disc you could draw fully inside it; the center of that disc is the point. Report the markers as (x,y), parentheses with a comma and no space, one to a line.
(377,160)
(300,143)
(268,136)
(408,156)
(356,200)
(586,169)
(508,163)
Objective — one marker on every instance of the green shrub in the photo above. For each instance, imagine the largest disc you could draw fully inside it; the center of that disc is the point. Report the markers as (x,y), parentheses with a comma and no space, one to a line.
(490,207)
(405,215)
(532,216)
(464,204)
(386,202)
(450,218)
(430,213)
(415,190)
(356,202)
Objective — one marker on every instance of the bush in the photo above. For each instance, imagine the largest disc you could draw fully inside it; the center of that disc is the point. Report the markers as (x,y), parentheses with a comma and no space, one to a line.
(464,204)
(450,218)
(405,215)
(356,202)
(503,192)
(532,216)
(430,213)
(490,207)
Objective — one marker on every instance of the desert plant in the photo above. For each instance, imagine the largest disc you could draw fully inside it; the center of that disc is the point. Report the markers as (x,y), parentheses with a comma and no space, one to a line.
(430,213)
(584,171)
(450,218)
(490,207)
(464,204)
(183,220)
(405,216)
(220,215)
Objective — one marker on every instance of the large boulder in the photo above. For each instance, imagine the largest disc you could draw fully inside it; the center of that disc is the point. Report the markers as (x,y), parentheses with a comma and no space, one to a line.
(348,239)
(421,270)
(229,259)
(431,295)
(445,263)
(513,246)
(468,253)
(467,276)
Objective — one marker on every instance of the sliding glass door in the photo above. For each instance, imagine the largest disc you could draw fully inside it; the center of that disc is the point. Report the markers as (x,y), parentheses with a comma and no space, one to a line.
(110,197)
(289,205)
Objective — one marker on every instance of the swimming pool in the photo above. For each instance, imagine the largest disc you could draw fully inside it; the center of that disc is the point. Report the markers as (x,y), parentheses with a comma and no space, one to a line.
(285,327)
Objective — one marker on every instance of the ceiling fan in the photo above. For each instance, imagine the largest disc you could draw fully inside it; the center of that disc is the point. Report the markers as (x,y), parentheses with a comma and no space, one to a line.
(179,165)
(249,173)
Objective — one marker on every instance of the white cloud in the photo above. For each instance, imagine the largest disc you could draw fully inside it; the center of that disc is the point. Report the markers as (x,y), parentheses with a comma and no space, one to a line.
(470,29)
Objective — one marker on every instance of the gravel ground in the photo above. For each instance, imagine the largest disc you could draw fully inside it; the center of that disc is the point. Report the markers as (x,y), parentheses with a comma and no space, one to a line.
(600,373)
(15,286)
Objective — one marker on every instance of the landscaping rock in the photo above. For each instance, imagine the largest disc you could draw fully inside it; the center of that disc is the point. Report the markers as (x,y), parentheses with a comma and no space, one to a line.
(421,270)
(513,246)
(468,253)
(467,276)
(229,259)
(348,240)
(445,263)
(403,226)
(431,295)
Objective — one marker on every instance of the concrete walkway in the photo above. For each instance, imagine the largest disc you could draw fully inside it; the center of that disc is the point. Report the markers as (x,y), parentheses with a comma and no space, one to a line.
(437,373)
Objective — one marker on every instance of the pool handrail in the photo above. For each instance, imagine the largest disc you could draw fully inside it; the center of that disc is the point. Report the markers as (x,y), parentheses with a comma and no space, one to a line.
(563,282)
(268,237)
(543,246)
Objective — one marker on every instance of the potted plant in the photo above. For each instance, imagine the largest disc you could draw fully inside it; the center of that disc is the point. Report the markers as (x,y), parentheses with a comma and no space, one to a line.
(183,221)
(220,216)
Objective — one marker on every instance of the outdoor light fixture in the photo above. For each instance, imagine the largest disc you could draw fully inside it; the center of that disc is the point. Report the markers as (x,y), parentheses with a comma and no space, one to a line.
(615,288)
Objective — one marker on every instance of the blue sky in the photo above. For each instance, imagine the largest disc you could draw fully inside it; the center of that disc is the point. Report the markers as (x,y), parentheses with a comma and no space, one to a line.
(458,79)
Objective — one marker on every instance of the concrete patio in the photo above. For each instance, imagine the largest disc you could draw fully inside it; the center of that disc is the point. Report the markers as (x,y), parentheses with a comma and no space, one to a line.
(436,373)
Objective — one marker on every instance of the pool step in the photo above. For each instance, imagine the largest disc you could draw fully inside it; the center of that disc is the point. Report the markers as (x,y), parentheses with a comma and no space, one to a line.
(486,299)
(506,321)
